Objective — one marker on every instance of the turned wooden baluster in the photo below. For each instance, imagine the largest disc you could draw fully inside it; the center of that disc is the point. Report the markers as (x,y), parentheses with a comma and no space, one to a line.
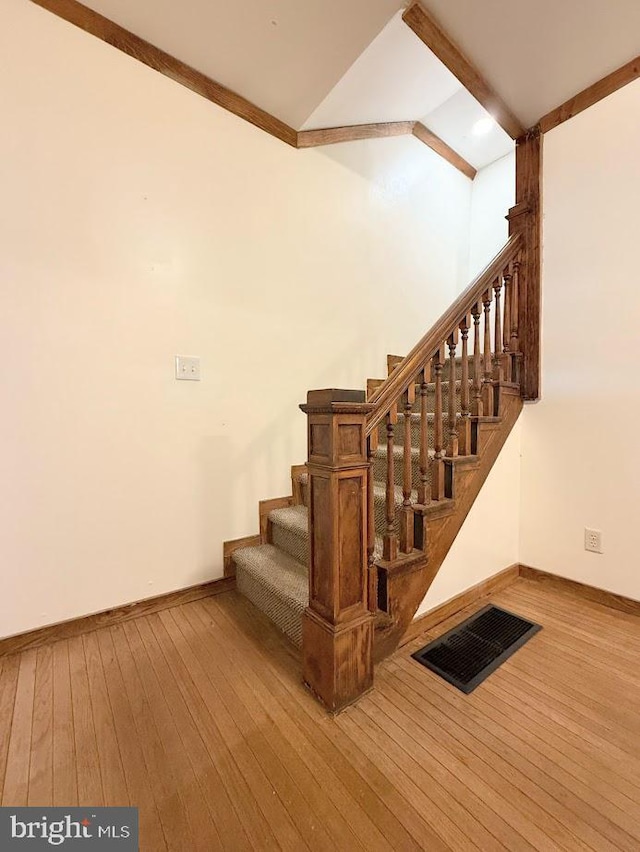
(406,517)
(506,329)
(497,333)
(437,469)
(372,446)
(390,541)
(452,442)
(424,493)
(514,344)
(476,313)
(464,429)
(487,380)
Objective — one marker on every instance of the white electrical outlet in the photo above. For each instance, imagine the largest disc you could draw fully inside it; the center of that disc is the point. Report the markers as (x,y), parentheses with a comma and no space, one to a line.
(187,368)
(592,540)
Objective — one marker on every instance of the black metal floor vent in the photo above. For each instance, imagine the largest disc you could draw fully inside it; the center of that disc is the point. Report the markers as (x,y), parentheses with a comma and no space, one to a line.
(469,653)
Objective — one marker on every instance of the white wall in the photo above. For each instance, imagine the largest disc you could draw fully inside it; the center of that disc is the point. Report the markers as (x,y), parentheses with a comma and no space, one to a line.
(139,221)
(580,465)
(493,193)
(489,539)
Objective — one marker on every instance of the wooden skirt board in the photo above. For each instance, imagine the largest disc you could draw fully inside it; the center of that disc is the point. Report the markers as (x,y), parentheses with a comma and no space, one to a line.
(197,715)
(468,653)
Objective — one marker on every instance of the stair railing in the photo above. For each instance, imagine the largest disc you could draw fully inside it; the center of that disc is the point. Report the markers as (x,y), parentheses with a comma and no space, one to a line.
(346,567)
(496,359)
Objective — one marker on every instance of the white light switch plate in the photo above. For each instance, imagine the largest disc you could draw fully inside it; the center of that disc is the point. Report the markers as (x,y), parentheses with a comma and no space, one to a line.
(187,368)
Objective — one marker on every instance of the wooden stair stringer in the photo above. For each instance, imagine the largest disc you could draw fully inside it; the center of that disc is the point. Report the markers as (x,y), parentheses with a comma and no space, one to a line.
(407,587)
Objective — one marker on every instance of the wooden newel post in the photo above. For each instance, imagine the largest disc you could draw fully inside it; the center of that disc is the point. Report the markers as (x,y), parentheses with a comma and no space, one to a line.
(526,218)
(337,627)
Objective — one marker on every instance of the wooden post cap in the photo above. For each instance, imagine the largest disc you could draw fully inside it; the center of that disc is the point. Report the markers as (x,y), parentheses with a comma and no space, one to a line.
(333,400)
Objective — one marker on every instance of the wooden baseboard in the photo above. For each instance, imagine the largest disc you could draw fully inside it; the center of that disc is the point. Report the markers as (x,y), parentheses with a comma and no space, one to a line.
(505,578)
(582,590)
(87,623)
(464,599)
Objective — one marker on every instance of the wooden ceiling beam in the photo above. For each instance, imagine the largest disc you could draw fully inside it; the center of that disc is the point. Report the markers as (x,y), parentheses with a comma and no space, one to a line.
(352,133)
(591,95)
(430,32)
(106,30)
(446,152)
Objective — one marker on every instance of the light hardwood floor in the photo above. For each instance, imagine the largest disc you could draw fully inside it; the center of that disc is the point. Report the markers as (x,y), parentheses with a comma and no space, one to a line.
(196,715)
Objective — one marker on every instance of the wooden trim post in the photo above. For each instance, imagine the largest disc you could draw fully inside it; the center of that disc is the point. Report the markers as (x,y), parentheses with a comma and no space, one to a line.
(337,627)
(526,218)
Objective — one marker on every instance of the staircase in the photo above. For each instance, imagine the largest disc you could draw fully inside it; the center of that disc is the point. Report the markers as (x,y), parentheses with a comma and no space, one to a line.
(275,575)
(342,565)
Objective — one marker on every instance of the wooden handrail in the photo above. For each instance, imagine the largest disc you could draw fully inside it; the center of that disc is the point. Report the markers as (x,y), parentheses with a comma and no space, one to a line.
(392,389)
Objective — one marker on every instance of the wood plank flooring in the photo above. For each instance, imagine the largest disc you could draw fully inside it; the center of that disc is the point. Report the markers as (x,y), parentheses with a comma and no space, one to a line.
(196,715)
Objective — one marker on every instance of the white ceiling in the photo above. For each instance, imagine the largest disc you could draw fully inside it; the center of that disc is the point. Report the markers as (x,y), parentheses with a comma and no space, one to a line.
(283,55)
(398,79)
(395,79)
(454,120)
(539,54)
(321,63)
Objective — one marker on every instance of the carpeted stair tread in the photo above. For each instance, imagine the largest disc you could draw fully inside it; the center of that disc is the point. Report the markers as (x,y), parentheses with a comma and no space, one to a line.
(276,583)
(380,505)
(398,432)
(445,367)
(380,494)
(415,417)
(380,464)
(431,397)
(290,531)
(398,453)
(293,518)
(295,521)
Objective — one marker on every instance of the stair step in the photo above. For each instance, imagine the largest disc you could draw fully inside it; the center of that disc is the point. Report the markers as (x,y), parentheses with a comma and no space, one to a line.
(274,577)
(398,431)
(276,583)
(431,396)
(394,360)
(274,580)
(374,384)
(290,531)
(380,505)
(380,465)
(290,527)
(380,490)
(434,508)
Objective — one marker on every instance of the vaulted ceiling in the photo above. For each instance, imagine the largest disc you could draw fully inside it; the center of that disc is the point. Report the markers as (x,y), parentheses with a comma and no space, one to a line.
(283,55)
(323,63)
(539,53)
(397,78)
